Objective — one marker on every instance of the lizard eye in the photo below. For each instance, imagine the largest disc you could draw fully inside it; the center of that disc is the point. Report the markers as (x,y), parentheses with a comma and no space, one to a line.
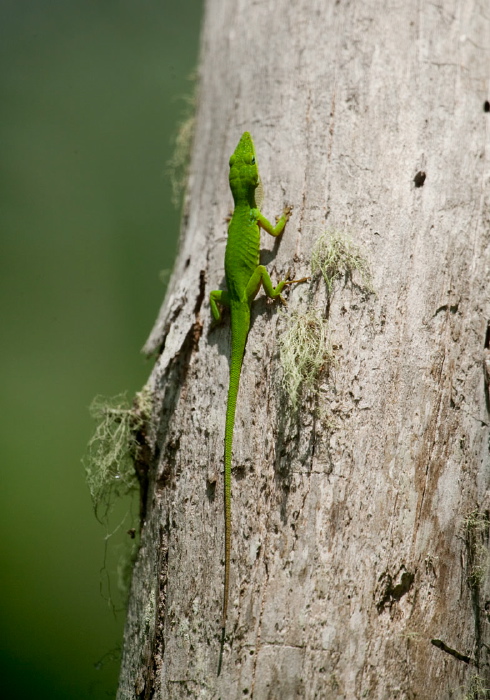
(253,160)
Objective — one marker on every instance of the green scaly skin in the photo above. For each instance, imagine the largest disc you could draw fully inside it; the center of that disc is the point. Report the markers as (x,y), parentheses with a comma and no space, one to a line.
(244,276)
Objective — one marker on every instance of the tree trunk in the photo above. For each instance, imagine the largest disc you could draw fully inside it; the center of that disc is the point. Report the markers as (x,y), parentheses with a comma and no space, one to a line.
(360,524)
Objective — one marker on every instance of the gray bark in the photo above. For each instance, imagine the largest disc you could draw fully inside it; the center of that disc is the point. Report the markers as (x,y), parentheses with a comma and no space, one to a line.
(352,548)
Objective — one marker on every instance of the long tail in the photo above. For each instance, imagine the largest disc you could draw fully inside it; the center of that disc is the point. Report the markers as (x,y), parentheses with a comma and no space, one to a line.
(240,323)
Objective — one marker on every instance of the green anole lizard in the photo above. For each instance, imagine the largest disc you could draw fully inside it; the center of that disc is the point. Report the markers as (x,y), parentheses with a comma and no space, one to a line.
(244,276)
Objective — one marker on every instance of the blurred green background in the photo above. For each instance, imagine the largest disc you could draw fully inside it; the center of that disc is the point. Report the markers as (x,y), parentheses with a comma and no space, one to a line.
(90,95)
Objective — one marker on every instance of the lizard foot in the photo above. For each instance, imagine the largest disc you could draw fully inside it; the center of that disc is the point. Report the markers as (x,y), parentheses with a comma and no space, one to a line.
(300,281)
(290,281)
(286,212)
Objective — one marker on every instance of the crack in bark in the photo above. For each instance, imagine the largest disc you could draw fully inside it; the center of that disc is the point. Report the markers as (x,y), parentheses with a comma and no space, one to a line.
(152,676)
(433,443)
(457,655)
(175,389)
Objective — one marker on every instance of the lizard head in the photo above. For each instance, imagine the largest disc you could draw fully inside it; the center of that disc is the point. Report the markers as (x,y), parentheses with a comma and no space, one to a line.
(244,172)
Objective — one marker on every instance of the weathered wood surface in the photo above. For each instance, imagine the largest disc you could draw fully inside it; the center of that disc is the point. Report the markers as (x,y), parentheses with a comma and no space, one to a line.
(349,552)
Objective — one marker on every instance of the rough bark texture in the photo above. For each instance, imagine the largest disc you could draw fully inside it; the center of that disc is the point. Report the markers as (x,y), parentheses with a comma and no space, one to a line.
(350,548)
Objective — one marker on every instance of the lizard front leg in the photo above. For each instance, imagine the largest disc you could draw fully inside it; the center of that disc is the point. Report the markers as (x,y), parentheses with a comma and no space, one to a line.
(281,222)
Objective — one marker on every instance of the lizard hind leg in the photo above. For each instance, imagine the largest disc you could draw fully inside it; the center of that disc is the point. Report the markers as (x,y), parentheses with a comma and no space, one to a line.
(218,296)
(261,277)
